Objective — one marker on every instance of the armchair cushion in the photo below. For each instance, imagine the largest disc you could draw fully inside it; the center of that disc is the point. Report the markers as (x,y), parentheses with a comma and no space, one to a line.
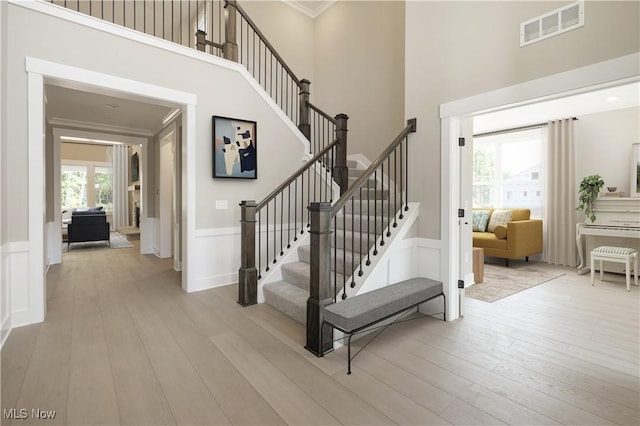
(501,231)
(480,220)
(499,217)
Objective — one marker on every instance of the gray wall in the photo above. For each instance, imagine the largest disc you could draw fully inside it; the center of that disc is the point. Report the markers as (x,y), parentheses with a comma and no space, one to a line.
(360,66)
(458,49)
(219,90)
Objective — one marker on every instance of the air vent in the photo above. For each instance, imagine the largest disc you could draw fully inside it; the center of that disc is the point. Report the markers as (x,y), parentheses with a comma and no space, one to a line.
(550,24)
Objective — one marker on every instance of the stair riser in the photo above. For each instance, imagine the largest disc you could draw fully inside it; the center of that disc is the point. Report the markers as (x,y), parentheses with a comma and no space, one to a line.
(379,208)
(297,278)
(292,305)
(342,260)
(355,224)
(368,184)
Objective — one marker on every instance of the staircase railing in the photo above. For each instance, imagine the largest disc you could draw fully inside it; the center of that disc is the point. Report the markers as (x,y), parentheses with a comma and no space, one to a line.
(268,228)
(221,28)
(361,221)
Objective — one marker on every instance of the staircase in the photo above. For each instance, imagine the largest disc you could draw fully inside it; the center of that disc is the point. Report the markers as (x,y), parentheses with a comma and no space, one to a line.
(289,295)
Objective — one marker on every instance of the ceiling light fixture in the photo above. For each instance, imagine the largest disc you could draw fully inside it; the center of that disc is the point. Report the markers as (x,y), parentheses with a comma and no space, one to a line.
(612,98)
(113,107)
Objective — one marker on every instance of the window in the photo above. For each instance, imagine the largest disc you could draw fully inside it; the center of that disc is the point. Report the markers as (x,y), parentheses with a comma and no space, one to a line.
(73,186)
(103,184)
(86,185)
(507,170)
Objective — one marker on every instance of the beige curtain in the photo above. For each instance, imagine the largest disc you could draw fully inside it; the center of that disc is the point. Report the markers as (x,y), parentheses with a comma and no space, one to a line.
(120,174)
(561,194)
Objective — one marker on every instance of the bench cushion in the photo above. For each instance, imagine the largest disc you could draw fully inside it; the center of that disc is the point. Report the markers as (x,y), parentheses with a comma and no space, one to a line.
(619,251)
(365,309)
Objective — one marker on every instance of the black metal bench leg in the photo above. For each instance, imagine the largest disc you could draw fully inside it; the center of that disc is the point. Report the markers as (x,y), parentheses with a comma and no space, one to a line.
(349,354)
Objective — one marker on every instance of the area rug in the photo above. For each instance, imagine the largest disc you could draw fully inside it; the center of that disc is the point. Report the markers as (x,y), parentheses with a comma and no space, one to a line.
(500,281)
(117,241)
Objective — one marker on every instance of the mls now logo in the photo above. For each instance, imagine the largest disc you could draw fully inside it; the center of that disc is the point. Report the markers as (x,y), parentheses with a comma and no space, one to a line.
(23,413)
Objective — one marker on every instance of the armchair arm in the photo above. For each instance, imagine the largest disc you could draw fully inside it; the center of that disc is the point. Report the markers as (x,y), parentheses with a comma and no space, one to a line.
(524,238)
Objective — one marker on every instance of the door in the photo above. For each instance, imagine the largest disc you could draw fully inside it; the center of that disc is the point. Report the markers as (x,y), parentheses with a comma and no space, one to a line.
(465,223)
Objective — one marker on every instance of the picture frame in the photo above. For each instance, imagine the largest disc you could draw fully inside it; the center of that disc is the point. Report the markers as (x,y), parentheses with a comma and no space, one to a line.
(135,168)
(634,183)
(234,148)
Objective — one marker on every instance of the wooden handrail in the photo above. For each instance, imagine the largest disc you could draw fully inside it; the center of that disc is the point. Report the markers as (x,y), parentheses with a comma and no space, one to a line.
(294,176)
(264,40)
(338,205)
(322,113)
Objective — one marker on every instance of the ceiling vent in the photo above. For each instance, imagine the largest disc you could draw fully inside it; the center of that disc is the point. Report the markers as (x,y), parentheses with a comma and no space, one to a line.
(561,20)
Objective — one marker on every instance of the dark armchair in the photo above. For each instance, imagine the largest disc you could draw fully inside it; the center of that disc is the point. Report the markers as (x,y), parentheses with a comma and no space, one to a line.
(87,226)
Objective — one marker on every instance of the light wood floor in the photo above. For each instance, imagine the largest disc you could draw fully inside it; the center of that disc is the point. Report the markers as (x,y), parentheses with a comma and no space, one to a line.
(123,344)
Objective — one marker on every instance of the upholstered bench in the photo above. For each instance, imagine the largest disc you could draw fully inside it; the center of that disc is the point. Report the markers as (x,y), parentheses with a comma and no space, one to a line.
(364,310)
(615,254)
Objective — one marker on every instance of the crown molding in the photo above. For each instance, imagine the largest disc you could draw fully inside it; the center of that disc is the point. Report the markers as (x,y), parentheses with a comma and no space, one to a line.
(312,13)
(100,127)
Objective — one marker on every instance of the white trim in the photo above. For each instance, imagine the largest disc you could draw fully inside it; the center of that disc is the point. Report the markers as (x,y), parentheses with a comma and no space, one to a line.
(609,73)
(35,118)
(311,13)
(188,196)
(108,27)
(597,76)
(38,70)
(101,127)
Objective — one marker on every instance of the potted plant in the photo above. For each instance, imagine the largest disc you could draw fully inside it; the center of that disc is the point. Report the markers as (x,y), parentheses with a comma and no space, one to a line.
(588,193)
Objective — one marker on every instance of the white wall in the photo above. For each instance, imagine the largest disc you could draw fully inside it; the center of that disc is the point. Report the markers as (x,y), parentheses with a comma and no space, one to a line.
(360,67)
(603,146)
(5,283)
(458,49)
(220,88)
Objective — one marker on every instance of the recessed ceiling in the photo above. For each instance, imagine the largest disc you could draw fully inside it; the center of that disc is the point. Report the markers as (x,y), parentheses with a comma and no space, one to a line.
(71,105)
(312,8)
(609,99)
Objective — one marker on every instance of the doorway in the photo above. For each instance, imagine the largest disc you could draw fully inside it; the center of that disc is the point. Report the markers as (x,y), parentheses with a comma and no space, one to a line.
(456,117)
(42,72)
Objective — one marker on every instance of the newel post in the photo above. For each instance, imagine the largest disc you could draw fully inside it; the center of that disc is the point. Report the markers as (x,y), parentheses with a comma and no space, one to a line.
(319,337)
(230,46)
(248,274)
(305,125)
(341,172)
(201,40)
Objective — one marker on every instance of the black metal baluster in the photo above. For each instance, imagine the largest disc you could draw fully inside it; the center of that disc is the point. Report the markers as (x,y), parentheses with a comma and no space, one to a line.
(401,182)
(395,187)
(388,196)
(113,12)
(335,259)
(308,196)
(381,204)
(259,244)
(344,252)
(295,211)
(289,216)
(406,198)
(353,243)
(302,205)
(281,222)
(275,222)
(375,213)
(267,237)
(360,256)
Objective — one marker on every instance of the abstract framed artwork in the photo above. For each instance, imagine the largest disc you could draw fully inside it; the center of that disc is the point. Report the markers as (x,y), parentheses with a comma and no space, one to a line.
(234,148)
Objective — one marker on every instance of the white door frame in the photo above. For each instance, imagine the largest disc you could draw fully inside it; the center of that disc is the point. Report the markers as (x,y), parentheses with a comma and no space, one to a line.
(55,232)
(38,70)
(165,249)
(611,73)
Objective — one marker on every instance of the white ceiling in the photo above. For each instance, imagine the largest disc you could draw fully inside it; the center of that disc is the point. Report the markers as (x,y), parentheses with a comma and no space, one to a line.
(77,106)
(625,96)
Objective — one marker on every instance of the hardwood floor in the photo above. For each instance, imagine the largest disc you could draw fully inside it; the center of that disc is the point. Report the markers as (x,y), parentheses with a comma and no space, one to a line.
(123,344)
